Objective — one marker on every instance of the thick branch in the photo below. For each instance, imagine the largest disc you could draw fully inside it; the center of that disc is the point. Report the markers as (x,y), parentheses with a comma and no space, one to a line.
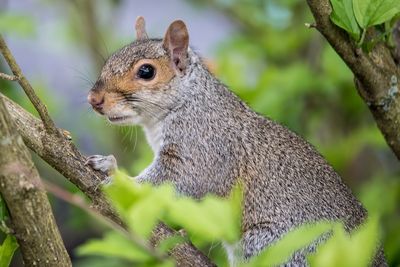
(62,155)
(396,39)
(39,106)
(20,185)
(376,73)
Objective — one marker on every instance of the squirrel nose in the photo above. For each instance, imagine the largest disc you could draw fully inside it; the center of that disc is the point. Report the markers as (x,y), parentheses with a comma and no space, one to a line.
(97,101)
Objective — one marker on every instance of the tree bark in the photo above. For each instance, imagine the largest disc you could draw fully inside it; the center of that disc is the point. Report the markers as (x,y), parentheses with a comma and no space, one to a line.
(376,73)
(30,211)
(61,154)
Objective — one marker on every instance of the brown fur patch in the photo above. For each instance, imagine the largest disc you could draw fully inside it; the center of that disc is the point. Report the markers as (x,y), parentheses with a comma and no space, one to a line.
(129,82)
(110,99)
(112,88)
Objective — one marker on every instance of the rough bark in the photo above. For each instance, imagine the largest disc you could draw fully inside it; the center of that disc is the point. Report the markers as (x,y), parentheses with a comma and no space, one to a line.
(376,73)
(181,251)
(396,39)
(32,219)
(61,154)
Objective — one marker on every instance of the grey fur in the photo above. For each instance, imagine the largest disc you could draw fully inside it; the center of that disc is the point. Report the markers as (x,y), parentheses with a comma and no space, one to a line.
(122,60)
(205,139)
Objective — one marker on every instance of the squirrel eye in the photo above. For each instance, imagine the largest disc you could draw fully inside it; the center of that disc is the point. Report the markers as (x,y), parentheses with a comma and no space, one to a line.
(146,72)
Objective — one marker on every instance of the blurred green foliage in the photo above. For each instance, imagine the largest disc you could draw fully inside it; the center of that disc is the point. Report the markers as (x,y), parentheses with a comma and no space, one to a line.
(280,68)
(211,220)
(16,24)
(306,86)
(143,206)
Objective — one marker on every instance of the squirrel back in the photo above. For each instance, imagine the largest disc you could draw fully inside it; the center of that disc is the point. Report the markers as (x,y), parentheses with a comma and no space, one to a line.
(205,140)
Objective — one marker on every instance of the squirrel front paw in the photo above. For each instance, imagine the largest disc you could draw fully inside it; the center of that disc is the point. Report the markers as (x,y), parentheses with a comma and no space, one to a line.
(106,164)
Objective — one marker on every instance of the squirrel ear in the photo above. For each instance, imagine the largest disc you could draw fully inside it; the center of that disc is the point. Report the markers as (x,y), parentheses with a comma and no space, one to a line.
(176,42)
(140,28)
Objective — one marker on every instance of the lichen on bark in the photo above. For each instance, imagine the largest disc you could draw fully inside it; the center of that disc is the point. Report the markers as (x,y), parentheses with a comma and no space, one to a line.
(32,220)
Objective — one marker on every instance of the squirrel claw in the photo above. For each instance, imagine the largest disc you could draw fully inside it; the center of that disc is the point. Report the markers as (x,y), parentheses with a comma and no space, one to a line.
(66,134)
(106,164)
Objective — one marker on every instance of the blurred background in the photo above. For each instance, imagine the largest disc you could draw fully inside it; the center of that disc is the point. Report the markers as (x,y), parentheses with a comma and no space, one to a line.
(259,48)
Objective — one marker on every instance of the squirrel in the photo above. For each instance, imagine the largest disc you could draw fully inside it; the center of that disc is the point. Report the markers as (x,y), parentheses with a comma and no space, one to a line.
(206,140)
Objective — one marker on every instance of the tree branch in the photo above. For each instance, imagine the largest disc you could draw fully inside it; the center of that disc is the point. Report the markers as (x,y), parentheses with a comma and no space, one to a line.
(396,39)
(39,106)
(8,77)
(61,154)
(81,203)
(31,216)
(376,73)
(55,147)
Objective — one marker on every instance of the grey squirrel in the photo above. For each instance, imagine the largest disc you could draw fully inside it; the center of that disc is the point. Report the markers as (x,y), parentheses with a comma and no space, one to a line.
(205,139)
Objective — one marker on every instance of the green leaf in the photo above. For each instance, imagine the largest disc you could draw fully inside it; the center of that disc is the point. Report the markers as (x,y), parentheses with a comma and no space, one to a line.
(282,250)
(7,250)
(3,209)
(212,218)
(124,193)
(144,215)
(373,12)
(342,249)
(235,202)
(343,16)
(116,245)
(170,242)
(191,216)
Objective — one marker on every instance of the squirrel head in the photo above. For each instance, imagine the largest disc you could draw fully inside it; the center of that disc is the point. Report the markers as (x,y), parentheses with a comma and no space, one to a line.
(138,82)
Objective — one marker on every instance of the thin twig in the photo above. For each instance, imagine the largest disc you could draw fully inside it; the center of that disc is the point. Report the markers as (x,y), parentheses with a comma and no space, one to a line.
(39,106)
(360,42)
(80,202)
(61,154)
(8,77)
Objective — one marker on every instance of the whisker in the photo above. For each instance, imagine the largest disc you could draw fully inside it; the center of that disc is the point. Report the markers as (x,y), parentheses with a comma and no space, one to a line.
(83,76)
(125,132)
(135,99)
(136,139)
(88,112)
(105,47)
(152,114)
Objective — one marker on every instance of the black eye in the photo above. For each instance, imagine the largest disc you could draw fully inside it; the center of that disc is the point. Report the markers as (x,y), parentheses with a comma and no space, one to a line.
(146,72)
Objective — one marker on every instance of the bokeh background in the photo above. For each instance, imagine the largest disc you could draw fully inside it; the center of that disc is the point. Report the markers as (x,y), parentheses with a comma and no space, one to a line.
(259,48)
